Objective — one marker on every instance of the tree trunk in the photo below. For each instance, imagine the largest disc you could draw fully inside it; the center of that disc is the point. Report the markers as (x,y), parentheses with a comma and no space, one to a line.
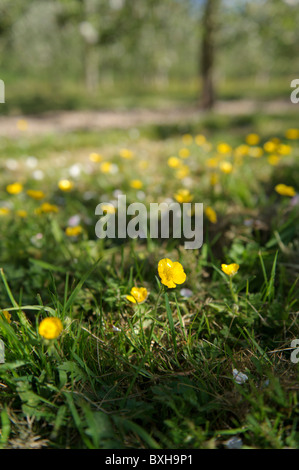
(207,54)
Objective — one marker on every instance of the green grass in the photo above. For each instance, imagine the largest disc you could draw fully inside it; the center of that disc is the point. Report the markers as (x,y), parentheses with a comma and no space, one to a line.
(164,379)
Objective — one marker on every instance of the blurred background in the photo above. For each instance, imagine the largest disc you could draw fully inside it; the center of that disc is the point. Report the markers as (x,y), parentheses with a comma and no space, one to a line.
(119,54)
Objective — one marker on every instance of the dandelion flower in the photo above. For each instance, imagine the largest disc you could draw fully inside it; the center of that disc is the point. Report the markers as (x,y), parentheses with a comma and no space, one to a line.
(273,160)
(285,190)
(230,269)
(171,273)
(200,140)
(50,328)
(137,295)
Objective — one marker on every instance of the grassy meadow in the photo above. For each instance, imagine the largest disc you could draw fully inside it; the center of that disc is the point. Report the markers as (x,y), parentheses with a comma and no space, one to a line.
(157,373)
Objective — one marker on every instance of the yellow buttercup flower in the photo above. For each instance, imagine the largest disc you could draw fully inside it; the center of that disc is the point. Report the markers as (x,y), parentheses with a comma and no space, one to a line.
(182,172)
(95,157)
(73,231)
(138,295)
(270,146)
(22,213)
(184,153)
(214,178)
(6,315)
(50,328)
(285,190)
(183,195)
(106,167)
(108,208)
(241,150)
(174,162)
(22,124)
(14,188)
(230,269)
(65,185)
(46,208)
(226,167)
(256,152)
(136,184)
(273,160)
(171,273)
(224,148)
(284,149)
(292,134)
(252,139)
(187,139)
(126,153)
(200,140)
(36,194)
(4,211)
(212,162)
(211,214)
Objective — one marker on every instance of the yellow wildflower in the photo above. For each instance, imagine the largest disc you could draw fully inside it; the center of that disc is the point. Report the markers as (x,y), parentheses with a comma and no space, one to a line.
(224,148)
(200,140)
(187,139)
(136,184)
(226,167)
(256,152)
(46,208)
(105,167)
(4,211)
(214,178)
(173,162)
(6,315)
(36,194)
(284,149)
(184,153)
(292,134)
(14,188)
(50,328)
(211,214)
(126,153)
(270,146)
(230,269)
(138,295)
(171,273)
(73,231)
(273,160)
(285,190)
(22,213)
(65,185)
(252,139)
(22,124)
(183,195)
(182,172)
(95,157)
